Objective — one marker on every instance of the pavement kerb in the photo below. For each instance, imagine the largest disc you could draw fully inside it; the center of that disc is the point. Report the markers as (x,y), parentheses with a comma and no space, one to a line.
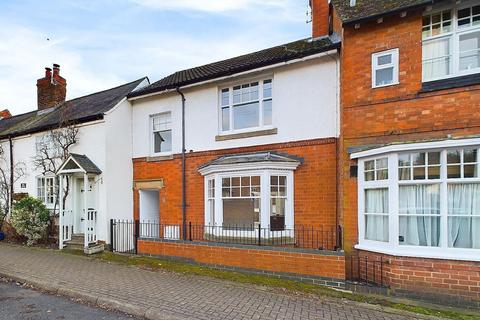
(158,314)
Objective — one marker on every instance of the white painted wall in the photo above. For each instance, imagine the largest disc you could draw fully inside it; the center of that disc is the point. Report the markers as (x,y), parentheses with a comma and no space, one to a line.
(305,106)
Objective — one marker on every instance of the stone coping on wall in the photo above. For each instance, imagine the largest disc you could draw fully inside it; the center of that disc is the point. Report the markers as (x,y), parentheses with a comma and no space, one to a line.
(249,247)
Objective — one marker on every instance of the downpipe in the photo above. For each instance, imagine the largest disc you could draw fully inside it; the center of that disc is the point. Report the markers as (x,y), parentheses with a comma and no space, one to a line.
(184,186)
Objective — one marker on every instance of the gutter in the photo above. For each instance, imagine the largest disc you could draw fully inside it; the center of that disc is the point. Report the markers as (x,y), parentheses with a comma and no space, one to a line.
(184,186)
(334,49)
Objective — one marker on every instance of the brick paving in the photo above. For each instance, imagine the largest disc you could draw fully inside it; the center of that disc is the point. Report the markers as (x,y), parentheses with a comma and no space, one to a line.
(167,295)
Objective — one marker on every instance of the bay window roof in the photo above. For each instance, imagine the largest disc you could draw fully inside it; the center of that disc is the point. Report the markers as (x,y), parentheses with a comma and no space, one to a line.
(259,160)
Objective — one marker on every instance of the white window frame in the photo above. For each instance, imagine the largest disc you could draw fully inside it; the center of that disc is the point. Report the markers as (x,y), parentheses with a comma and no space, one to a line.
(231,105)
(152,132)
(46,195)
(265,197)
(394,64)
(393,246)
(454,40)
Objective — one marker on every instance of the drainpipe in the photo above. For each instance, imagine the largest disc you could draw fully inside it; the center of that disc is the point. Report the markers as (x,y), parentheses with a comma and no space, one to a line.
(184,186)
(11,175)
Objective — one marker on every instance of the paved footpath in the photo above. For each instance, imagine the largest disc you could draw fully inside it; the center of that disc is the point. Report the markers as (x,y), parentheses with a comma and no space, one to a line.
(168,295)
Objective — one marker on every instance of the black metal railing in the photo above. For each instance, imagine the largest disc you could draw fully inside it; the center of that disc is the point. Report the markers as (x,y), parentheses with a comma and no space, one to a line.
(125,234)
(366,270)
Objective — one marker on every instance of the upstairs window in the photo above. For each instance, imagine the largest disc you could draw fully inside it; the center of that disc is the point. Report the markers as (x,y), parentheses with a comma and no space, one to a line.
(385,68)
(161,133)
(246,107)
(451,42)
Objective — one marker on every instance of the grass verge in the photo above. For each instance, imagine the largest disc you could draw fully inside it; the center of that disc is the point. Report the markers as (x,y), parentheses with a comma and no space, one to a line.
(152,263)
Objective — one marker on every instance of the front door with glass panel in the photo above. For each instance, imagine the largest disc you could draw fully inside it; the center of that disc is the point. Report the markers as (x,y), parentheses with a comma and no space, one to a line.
(80,214)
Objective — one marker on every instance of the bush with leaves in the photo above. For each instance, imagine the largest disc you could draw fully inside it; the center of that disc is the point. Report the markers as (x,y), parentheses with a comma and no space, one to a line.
(30,218)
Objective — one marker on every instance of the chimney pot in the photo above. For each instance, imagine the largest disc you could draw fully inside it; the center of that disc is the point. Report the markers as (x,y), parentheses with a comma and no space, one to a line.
(48,72)
(56,69)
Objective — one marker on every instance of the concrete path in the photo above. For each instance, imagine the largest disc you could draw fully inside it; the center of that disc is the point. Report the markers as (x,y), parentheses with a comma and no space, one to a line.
(19,303)
(166,295)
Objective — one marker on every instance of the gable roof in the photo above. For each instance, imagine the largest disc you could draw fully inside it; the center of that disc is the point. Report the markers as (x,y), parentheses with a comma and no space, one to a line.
(83,109)
(83,162)
(282,53)
(365,10)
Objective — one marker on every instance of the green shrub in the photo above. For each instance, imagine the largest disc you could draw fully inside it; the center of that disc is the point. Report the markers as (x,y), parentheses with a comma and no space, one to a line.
(30,218)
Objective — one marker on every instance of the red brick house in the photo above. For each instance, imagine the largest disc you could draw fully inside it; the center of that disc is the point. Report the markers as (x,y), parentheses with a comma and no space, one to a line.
(409,189)
(228,158)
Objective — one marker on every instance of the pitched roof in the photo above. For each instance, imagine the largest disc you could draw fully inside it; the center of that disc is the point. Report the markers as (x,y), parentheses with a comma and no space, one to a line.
(83,109)
(270,156)
(282,53)
(371,9)
(85,163)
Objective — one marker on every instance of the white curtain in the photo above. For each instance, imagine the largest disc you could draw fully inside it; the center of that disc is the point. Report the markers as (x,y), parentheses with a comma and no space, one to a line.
(436,58)
(464,215)
(376,218)
(419,210)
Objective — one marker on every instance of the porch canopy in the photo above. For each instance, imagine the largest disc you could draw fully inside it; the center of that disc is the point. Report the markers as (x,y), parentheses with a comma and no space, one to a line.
(77,165)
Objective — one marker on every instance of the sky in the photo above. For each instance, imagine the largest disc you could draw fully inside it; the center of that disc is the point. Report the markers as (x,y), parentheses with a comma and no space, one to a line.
(100,44)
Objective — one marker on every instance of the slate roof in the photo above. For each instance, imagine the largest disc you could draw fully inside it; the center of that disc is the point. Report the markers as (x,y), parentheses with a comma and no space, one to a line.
(372,9)
(282,53)
(270,156)
(83,109)
(85,163)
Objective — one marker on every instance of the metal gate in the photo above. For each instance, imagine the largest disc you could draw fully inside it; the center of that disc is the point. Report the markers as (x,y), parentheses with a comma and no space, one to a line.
(124,236)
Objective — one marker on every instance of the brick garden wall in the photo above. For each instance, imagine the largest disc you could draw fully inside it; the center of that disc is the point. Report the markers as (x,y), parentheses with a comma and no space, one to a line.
(315,182)
(323,268)
(449,282)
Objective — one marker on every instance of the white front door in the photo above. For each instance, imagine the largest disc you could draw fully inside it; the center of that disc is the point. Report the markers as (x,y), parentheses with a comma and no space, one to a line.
(80,214)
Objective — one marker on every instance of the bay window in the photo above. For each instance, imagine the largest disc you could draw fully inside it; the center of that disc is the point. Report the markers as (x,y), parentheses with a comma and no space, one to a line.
(246,107)
(451,41)
(428,204)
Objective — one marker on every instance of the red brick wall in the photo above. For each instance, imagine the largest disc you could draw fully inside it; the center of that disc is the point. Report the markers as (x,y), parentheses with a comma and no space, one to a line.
(320,9)
(315,182)
(396,113)
(318,265)
(448,281)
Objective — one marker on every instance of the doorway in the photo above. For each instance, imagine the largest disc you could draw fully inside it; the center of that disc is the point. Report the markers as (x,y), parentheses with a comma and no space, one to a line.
(149,206)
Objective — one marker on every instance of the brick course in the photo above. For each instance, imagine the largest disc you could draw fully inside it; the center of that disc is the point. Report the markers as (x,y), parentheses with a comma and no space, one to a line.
(331,267)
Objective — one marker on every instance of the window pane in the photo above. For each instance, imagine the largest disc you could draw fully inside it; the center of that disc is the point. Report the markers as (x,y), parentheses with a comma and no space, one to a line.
(369,165)
(162,141)
(382,163)
(376,201)
(267,89)
(464,215)
(246,116)
(369,175)
(267,112)
(404,160)
(453,171)
(470,171)
(237,94)
(382,174)
(463,13)
(453,156)
(277,214)
(434,172)
(404,173)
(419,210)
(225,119)
(254,91)
(418,159)
(386,59)
(225,97)
(434,158)
(469,51)
(384,76)
(470,155)
(436,58)
(376,228)
(419,173)
(240,213)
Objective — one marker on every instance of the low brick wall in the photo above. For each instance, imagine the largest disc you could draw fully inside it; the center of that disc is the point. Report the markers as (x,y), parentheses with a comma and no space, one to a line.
(327,268)
(449,282)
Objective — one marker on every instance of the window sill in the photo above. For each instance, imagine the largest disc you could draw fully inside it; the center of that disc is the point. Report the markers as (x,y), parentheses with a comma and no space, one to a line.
(160,157)
(243,135)
(422,252)
(450,83)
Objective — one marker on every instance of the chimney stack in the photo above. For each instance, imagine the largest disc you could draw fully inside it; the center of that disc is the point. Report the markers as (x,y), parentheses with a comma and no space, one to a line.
(320,17)
(51,89)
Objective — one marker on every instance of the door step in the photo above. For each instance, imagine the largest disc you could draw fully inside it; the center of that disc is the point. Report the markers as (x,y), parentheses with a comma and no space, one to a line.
(77,243)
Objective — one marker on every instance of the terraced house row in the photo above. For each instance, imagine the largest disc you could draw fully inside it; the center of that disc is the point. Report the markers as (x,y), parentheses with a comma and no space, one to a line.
(348,159)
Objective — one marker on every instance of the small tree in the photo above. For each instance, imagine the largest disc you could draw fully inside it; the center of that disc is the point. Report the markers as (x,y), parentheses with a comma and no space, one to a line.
(53,151)
(30,218)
